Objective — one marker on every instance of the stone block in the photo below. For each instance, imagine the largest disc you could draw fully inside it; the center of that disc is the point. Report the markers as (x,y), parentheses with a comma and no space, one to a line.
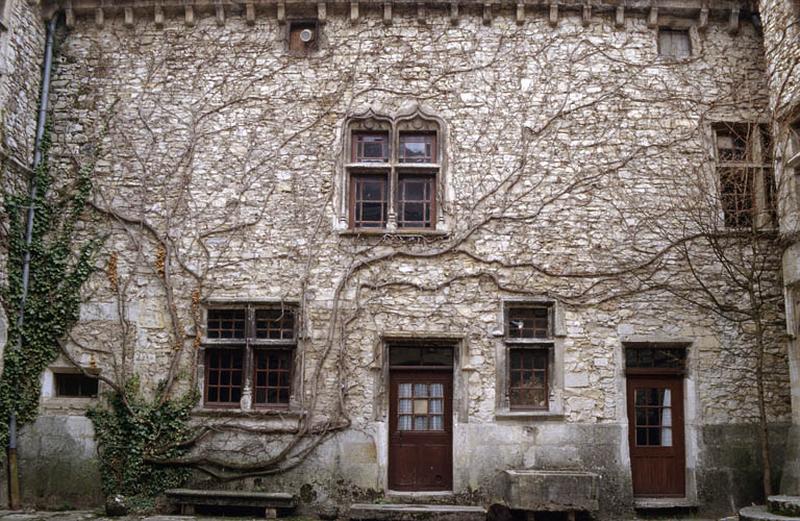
(551,490)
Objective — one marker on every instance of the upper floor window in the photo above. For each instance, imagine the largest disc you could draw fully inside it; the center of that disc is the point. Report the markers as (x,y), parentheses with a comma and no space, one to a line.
(249,351)
(303,36)
(393,172)
(674,43)
(744,168)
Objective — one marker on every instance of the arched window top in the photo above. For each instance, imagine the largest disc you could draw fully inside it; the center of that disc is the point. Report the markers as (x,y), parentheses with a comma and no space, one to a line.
(393,175)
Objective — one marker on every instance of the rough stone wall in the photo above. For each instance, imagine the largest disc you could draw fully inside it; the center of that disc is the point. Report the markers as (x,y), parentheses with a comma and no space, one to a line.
(571,155)
(21,54)
(781,32)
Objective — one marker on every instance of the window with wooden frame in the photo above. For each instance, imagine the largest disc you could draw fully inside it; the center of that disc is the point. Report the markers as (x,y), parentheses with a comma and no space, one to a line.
(530,342)
(674,43)
(393,172)
(249,351)
(75,385)
(745,174)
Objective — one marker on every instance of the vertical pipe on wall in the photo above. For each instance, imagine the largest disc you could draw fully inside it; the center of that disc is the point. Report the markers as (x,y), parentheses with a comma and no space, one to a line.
(13,470)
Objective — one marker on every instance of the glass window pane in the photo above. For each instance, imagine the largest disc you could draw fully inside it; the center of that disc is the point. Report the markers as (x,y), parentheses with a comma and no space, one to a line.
(420,390)
(404,423)
(404,390)
(420,423)
(436,407)
(405,406)
(420,406)
(437,423)
(437,390)
(641,436)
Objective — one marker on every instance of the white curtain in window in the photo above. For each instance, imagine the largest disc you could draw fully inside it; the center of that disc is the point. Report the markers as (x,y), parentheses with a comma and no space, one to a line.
(666,419)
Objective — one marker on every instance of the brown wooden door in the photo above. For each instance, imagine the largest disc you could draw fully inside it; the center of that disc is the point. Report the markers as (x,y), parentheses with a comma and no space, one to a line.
(656,437)
(421,430)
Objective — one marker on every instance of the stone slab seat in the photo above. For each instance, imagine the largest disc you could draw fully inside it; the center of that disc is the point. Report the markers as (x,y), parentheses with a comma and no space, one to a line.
(784,505)
(413,512)
(568,491)
(269,501)
(760,513)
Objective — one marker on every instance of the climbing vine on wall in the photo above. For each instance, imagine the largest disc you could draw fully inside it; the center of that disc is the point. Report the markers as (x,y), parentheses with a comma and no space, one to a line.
(132,432)
(59,265)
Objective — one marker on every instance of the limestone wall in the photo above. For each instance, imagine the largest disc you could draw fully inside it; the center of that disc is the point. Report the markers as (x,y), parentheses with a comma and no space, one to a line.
(574,154)
(21,56)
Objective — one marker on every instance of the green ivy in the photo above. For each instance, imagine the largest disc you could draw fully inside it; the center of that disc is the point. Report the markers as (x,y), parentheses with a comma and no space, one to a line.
(58,269)
(130,435)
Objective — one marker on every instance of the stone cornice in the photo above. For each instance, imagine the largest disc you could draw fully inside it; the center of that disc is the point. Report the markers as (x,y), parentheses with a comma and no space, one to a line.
(130,11)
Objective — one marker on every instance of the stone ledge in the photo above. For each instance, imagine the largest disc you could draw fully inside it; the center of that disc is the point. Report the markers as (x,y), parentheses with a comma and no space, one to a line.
(784,505)
(654,503)
(760,513)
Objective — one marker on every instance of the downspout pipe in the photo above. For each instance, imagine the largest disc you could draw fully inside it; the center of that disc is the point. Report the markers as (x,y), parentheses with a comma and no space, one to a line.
(44,99)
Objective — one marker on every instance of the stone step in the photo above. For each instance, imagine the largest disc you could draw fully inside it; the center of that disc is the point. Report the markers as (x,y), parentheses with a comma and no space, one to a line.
(414,512)
(784,505)
(760,513)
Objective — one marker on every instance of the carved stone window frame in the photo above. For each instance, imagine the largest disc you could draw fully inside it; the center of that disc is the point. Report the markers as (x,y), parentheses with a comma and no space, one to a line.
(409,118)
(554,344)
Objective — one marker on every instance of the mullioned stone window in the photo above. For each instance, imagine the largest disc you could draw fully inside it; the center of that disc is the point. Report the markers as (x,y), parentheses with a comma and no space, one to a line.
(249,353)
(394,173)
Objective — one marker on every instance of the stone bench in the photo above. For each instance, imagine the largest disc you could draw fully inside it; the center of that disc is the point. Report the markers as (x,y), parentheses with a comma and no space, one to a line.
(271,502)
(551,491)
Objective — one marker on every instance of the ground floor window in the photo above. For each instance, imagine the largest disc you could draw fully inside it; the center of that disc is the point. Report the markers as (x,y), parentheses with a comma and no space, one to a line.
(249,350)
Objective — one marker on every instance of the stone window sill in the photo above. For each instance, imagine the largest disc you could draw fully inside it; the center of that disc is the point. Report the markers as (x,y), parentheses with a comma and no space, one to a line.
(380,232)
(506,414)
(221,412)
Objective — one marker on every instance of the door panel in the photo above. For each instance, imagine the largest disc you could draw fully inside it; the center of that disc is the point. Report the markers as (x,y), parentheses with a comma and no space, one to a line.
(421,430)
(656,436)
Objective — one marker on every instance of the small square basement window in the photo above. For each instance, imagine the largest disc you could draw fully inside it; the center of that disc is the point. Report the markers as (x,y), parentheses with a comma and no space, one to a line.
(674,43)
(75,385)
(303,36)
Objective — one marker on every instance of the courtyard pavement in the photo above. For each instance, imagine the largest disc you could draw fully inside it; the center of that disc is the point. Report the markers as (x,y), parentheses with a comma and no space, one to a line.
(84,515)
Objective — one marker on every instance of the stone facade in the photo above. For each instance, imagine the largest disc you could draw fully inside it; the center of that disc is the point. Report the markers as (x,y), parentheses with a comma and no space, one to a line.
(574,159)
(781,28)
(21,52)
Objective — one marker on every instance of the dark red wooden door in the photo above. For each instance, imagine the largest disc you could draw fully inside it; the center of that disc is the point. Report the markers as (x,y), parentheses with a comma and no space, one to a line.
(421,430)
(656,438)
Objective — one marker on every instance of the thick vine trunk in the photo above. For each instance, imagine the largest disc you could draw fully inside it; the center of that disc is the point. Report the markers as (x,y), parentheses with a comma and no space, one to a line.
(763,427)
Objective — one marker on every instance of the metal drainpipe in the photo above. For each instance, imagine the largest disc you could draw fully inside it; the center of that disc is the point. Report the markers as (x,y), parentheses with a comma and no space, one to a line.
(13,469)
